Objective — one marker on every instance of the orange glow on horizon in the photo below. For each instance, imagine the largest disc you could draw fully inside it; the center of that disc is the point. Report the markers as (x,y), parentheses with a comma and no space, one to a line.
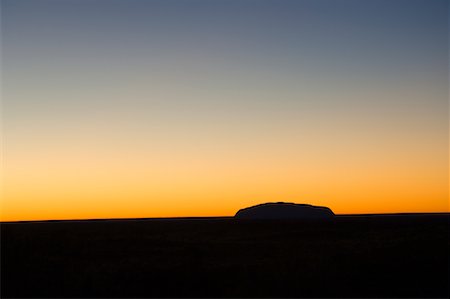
(44,186)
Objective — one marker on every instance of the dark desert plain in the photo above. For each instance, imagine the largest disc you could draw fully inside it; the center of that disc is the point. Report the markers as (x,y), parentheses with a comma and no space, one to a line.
(398,255)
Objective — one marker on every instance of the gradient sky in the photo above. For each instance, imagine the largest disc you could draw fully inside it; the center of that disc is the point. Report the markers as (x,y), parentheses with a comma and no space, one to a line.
(128,108)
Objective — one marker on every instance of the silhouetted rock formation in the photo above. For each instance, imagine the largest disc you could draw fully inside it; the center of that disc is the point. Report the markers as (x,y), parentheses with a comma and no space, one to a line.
(283,210)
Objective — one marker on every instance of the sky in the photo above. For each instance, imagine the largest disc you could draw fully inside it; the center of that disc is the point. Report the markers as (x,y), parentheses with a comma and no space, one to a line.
(171,108)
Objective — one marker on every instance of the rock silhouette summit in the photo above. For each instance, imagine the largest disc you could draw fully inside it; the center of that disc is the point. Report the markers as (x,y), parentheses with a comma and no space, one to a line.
(284,210)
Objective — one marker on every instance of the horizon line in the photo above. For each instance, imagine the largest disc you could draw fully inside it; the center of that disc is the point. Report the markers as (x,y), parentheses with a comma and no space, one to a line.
(214,217)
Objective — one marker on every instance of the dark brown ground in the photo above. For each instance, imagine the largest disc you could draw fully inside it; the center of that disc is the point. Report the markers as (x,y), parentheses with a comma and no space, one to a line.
(359,256)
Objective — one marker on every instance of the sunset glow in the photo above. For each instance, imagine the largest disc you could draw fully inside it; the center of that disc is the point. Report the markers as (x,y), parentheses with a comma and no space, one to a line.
(119,109)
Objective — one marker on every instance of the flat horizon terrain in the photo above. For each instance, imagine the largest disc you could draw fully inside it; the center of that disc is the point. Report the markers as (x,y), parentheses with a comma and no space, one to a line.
(403,255)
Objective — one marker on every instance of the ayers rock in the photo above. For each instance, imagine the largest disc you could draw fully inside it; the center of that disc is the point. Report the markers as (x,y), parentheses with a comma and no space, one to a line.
(284,210)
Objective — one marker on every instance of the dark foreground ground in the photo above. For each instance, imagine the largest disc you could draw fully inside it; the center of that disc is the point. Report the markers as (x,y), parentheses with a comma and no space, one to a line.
(364,256)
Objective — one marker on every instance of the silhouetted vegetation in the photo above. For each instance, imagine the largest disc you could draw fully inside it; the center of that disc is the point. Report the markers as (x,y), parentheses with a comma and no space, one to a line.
(365,256)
